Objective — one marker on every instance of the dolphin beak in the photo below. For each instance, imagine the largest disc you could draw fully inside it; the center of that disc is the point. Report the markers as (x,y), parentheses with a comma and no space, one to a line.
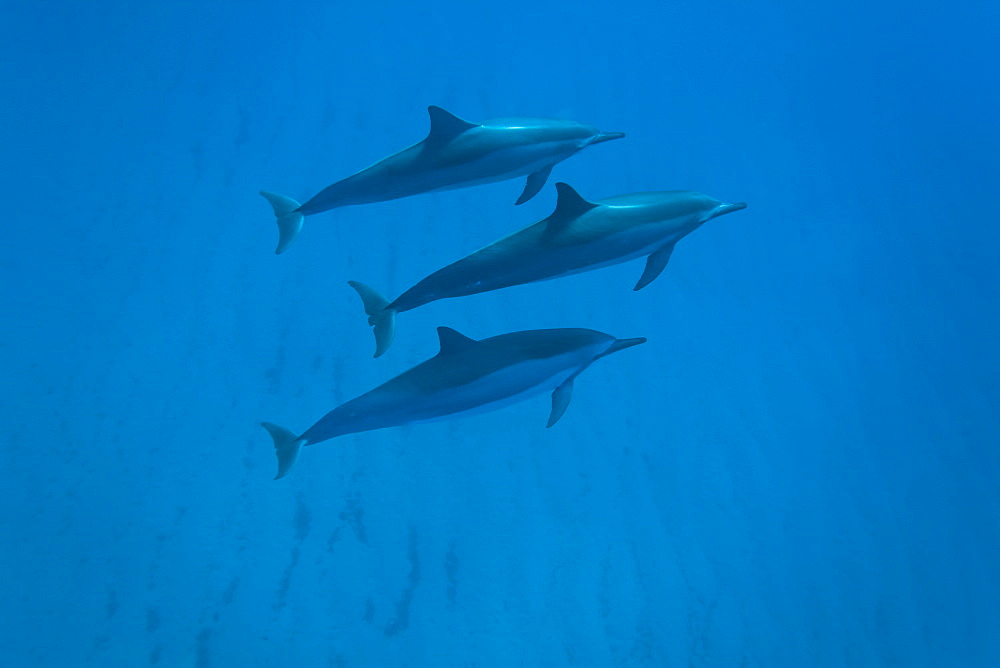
(622,344)
(728,208)
(607,136)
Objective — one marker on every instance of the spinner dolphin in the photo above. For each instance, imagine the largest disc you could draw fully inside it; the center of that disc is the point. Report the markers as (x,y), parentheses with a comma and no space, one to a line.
(466,377)
(579,236)
(455,154)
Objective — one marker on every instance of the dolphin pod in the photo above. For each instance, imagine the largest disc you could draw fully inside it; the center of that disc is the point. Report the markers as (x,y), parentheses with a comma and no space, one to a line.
(455,154)
(469,376)
(465,377)
(579,236)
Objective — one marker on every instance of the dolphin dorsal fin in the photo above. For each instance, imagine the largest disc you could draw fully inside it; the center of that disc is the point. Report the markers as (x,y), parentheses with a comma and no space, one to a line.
(452,341)
(570,204)
(445,125)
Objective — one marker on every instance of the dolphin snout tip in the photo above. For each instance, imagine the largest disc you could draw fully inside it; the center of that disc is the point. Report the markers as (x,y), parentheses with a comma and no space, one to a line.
(622,344)
(729,208)
(607,136)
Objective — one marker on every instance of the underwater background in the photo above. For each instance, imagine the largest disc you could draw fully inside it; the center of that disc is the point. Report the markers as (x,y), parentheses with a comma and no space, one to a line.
(799,468)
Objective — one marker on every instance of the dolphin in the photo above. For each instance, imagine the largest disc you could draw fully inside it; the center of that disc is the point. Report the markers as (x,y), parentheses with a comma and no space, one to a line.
(466,377)
(579,236)
(455,154)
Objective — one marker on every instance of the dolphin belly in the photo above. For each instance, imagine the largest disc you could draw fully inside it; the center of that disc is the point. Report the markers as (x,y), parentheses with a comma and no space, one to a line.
(500,165)
(413,172)
(384,183)
(492,269)
(382,408)
(497,397)
(585,259)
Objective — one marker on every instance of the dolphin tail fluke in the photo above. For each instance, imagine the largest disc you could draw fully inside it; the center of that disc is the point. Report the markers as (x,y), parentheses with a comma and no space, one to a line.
(286,210)
(286,446)
(381,318)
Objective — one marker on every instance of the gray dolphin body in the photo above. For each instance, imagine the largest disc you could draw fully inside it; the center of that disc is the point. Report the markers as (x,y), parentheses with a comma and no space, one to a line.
(466,377)
(455,154)
(579,236)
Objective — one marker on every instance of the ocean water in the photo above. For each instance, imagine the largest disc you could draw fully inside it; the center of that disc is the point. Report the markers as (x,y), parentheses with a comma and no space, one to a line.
(800,468)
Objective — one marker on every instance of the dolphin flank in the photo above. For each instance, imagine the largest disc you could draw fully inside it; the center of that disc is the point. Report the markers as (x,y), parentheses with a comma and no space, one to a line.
(466,377)
(455,154)
(579,236)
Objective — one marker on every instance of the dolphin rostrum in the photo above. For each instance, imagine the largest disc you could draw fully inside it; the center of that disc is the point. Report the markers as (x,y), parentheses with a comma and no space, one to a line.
(455,154)
(466,377)
(577,237)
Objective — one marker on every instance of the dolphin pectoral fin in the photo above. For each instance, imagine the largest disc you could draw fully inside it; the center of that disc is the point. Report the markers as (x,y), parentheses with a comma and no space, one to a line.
(286,210)
(560,401)
(536,180)
(286,446)
(654,265)
(445,125)
(381,318)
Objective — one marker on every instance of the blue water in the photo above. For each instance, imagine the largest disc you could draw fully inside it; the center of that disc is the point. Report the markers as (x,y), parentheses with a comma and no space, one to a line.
(799,469)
